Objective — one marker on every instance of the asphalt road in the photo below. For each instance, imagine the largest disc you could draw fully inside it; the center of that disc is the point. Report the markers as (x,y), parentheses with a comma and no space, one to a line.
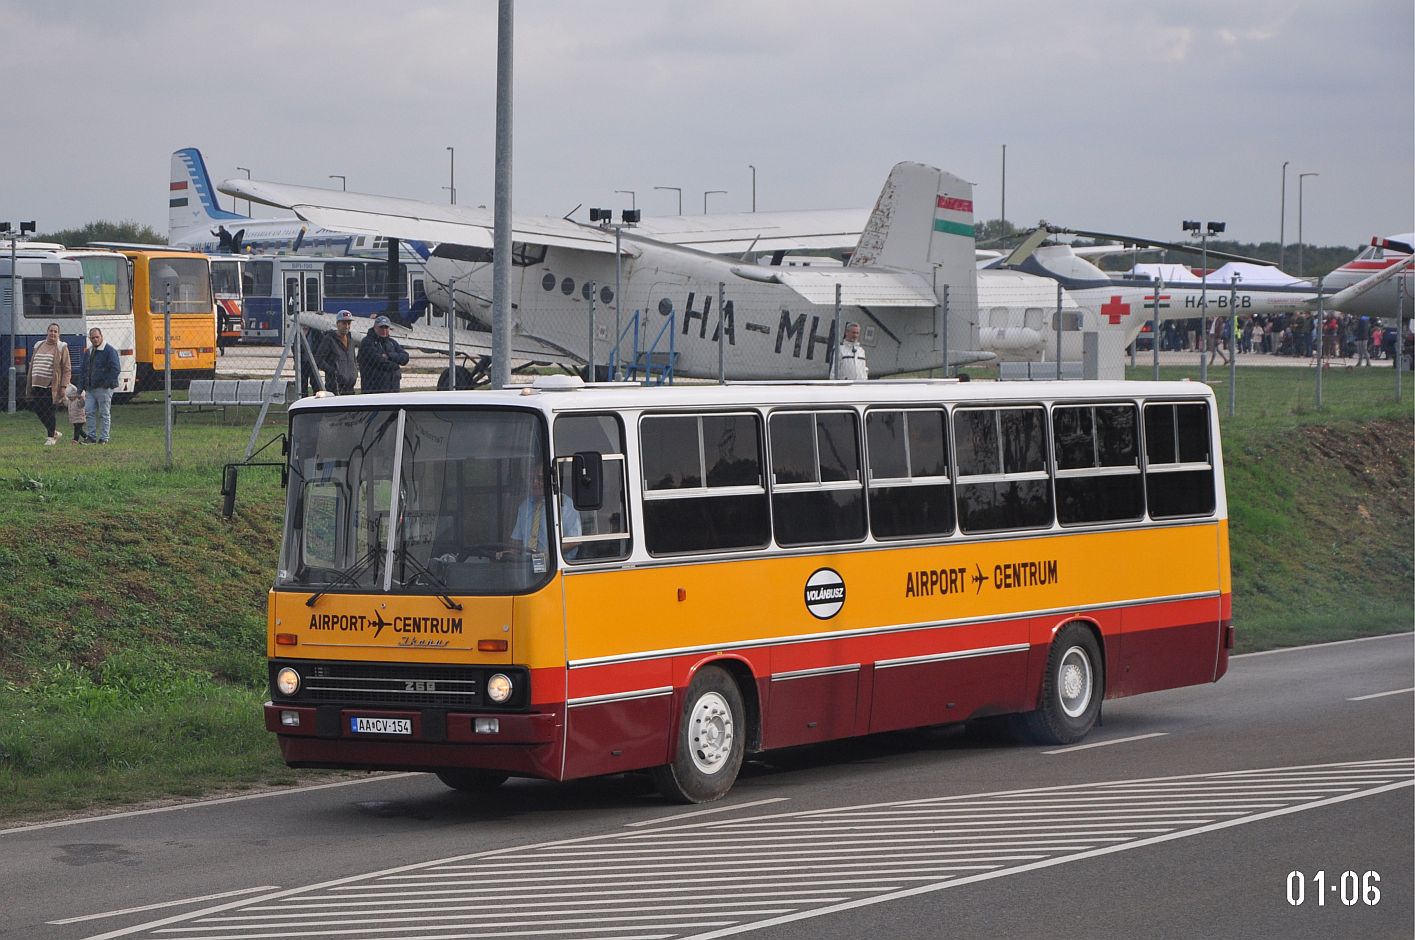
(1186,813)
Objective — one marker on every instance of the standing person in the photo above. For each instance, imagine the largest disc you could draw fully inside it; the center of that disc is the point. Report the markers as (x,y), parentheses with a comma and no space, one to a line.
(1218,330)
(97,378)
(850,361)
(336,356)
(381,359)
(223,326)
(1363,341)
(75,401)
(50,372)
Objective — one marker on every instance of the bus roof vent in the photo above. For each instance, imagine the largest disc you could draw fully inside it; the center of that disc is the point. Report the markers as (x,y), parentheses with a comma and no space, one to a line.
(558,383)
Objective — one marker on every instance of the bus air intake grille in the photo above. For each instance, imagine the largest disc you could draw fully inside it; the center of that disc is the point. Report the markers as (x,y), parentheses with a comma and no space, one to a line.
(397,685)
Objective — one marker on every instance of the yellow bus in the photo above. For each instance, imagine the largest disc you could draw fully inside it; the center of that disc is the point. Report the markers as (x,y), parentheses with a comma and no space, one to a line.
(564,580)
(185,278)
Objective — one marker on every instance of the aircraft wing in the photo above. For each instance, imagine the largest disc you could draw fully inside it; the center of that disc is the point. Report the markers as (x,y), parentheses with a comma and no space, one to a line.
(735,232)
(860,287)
(360,213)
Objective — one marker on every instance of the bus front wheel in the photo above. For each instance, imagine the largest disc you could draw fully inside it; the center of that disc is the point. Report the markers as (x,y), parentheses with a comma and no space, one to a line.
(1072,690)
(710,743)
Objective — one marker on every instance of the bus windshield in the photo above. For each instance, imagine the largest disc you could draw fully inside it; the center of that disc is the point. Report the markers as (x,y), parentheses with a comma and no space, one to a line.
(189,280)
(470,502)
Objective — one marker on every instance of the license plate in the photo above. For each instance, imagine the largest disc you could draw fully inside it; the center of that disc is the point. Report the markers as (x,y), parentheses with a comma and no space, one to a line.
(381,725)
(186,353)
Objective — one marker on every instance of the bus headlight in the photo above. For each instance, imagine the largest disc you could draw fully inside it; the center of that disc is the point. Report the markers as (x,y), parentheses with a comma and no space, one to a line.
(287,681)
(498,688)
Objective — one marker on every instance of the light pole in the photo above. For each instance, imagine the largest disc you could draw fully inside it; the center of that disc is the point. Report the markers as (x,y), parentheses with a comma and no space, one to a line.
(711,192)
(1004,190)
(451,186)
(1282,225)
(1208,228)
(343,181)
(679,191)
(5,229)
(633,197)
(754,186)
(246,170)
(1300,178)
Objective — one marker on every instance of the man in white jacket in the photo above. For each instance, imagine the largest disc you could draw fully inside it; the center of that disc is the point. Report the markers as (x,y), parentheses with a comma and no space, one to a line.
(850,357)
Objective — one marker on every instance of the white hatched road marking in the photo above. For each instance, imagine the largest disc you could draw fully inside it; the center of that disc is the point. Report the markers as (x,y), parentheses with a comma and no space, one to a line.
(756,872)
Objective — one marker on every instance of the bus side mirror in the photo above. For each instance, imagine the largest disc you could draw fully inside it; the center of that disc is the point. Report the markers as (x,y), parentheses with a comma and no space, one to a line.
(587,480)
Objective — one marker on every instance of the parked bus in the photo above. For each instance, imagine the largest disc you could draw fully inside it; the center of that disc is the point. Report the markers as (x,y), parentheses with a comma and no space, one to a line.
(274,285)
(228,290)
(45,288)
(184,277)
(108,305)
(564,580)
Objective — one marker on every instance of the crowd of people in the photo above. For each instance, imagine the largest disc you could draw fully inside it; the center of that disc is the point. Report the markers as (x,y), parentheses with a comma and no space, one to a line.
(1333,335)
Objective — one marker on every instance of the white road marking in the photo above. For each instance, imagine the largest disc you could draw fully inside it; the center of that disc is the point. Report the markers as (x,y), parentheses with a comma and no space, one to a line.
(198,803)
(153,907)
(1313,646)
(1362,698)
(704,812)
(1082,747)
(721,876)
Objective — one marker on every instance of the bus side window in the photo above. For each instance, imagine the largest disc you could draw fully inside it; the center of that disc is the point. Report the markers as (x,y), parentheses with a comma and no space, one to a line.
(1097,464)
(604,532)
(1179,471)
(817,493)
(1003,480)
(703,489)
(911,494)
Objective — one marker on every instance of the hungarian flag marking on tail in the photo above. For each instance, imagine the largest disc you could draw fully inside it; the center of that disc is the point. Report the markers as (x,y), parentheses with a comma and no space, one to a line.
(954,216)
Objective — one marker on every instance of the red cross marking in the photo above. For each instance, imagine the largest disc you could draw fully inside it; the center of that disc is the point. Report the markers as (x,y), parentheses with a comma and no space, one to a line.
(1115,310)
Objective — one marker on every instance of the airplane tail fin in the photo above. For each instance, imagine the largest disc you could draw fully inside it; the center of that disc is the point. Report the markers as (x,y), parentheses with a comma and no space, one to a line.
(191,199)
(923,222)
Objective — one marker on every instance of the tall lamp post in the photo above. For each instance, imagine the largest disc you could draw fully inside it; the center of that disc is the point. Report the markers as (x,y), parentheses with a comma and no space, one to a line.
(1204,231)
(754,186)
(343,181)
(1300,178)
(711,192)
(1282,225)
(247,171)
(5,229)
(679,191)
(451,186)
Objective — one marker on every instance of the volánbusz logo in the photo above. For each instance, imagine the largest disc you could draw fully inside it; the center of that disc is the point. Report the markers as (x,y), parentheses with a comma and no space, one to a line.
(825,593)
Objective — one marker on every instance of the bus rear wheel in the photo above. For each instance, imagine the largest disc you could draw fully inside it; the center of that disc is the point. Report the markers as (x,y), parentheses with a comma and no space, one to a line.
(710,746)
(1072,689)
(472,781)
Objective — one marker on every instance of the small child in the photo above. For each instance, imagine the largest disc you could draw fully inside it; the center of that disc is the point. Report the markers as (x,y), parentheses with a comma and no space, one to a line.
(75,400)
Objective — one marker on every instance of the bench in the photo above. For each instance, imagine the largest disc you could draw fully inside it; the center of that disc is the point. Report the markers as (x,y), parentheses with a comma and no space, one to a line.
(204,394)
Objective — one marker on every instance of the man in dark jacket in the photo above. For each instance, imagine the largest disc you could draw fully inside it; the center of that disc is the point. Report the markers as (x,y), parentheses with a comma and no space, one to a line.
(337,356)
(97,378)
(381,359)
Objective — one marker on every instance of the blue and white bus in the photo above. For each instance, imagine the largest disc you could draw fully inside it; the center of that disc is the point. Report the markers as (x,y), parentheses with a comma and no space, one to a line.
(42,288)
(273,285)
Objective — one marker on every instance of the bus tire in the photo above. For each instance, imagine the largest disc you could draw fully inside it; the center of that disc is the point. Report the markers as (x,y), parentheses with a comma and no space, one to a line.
(1072,689)
(710,746)
(472,781)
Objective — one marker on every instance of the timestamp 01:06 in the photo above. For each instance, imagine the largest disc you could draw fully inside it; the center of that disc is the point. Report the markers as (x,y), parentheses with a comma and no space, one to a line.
(1348,887)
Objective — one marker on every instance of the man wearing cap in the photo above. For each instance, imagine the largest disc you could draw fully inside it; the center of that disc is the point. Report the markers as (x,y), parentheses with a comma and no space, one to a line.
(381,359)
(336,356)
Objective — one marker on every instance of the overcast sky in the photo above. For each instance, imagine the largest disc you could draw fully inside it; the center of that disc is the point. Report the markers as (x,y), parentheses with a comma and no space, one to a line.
(1117,116)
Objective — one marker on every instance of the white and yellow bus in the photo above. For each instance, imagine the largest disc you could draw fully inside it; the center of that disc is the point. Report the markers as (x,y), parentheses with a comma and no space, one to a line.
(564,580)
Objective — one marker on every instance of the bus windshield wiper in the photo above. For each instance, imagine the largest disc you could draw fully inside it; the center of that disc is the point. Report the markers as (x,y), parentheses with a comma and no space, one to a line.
(348,575)
(444,594)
